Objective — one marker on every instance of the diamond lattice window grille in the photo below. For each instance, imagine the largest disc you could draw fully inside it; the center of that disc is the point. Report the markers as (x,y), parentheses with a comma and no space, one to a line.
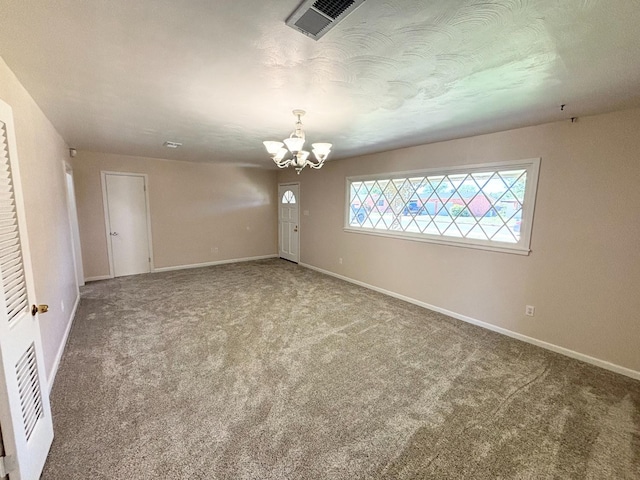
(475,204)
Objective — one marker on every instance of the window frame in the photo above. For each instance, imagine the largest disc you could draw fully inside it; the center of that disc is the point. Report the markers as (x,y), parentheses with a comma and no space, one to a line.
(522,247)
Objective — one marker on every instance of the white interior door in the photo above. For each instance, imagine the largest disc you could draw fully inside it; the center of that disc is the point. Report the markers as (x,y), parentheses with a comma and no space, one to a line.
(127,227)
(289,222)
(25,414)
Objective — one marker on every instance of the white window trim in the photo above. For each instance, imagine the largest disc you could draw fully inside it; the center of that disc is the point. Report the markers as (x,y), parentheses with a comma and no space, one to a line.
(532,166)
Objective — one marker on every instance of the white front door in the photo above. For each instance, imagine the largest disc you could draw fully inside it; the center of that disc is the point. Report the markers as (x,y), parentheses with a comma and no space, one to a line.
(25,415)
(289,221)
(127,227)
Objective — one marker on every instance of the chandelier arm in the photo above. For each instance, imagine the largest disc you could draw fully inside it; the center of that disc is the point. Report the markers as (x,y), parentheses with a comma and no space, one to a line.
(283,164)
(315,164)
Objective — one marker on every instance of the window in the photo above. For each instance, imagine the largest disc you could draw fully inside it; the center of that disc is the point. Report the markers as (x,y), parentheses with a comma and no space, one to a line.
(483,206)
(288,197)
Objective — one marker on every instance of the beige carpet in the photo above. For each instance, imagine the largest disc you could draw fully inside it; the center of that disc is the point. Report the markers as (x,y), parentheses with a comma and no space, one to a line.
(266,370)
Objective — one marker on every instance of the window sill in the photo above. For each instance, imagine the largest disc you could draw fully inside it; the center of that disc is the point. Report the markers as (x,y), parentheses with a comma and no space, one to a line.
(515,250)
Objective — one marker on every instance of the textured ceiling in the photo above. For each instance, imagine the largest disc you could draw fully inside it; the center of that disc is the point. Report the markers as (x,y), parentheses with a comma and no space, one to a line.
(221,76)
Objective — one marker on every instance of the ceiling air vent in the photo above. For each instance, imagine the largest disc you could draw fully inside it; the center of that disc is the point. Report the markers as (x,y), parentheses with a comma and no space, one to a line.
(315,18)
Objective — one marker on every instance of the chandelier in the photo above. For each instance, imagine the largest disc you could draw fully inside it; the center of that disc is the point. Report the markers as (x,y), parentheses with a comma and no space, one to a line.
(295,144)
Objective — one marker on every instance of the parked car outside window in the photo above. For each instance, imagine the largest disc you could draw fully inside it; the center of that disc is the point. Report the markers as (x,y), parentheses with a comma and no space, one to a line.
(414,208)
(359,213)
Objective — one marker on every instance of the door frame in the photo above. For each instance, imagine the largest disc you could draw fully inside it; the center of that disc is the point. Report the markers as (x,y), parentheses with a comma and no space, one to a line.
(286,184)
(74,227)
(107,225)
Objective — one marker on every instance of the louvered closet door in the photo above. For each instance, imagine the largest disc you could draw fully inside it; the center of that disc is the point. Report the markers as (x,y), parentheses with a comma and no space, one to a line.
(25,416)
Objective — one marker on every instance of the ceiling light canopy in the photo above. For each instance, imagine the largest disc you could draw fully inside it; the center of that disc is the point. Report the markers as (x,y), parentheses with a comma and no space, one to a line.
(294,145)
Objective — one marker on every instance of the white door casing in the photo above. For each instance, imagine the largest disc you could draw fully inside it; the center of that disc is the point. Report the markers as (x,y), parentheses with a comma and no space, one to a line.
(25,414)
(73,224)
(127,223)
(289,221)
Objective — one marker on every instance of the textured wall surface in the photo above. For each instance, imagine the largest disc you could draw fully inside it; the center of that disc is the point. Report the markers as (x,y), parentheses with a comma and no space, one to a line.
(584,269)
(41,153)
(195,208)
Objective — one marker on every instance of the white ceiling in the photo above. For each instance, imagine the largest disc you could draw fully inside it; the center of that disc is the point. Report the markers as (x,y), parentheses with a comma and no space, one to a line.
(221,76)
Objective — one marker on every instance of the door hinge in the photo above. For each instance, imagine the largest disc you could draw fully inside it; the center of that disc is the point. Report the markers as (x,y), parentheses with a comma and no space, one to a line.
(149,259)
(6,466)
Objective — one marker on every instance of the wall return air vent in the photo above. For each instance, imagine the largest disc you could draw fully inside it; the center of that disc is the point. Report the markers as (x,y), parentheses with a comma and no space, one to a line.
(315,18)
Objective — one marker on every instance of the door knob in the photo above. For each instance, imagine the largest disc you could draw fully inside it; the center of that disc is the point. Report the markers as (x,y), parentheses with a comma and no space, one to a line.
(295,229)
(114,234)
(39,309)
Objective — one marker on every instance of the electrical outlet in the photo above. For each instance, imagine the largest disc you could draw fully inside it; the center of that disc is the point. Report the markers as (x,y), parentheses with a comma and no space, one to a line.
(62,305)
(214,249)
(340,260)
(529,310)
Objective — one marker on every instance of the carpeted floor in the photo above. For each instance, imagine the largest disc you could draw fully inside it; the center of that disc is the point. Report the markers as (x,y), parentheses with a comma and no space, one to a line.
(266,370)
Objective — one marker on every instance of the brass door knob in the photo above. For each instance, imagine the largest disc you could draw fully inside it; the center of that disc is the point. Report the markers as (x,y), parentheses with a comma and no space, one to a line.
(39,309)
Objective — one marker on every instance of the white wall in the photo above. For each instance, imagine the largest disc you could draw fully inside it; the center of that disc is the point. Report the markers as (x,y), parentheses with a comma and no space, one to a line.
(194,208)
(41,153)
(583,274)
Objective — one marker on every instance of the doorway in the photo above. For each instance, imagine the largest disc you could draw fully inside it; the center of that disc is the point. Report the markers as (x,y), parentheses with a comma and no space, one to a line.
(289,221)
(127,223)
(73,223)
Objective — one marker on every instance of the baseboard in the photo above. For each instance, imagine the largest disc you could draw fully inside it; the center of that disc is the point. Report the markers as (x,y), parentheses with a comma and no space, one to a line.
(209,264)
(63,344)
(534,341)
(100,277)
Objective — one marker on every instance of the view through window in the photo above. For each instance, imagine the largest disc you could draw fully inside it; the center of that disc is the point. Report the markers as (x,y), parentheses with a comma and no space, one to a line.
(288,197)
(479,205)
